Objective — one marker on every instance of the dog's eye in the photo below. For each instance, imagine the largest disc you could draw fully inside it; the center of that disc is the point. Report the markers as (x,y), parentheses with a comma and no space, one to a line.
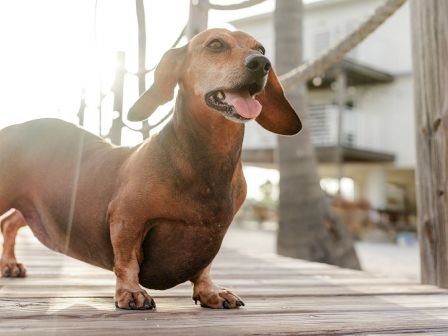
(216,45)
(260,49)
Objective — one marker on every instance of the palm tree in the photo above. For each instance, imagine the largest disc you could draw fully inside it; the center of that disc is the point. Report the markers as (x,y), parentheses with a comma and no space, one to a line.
(308,229)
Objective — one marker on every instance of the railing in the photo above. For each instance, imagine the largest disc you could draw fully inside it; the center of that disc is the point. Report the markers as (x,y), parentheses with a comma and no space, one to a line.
(323,121)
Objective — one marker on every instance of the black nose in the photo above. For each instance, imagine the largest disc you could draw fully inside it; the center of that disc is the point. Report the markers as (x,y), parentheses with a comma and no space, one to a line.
(257,64)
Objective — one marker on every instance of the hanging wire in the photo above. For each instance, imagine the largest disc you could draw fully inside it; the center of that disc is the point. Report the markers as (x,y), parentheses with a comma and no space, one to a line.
(241,5)
(150,127)
(174,45)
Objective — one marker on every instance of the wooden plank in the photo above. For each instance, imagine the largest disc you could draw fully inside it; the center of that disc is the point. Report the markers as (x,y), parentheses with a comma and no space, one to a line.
(430,52)
(228,281)
(20,308)
(236,323)
(245,292)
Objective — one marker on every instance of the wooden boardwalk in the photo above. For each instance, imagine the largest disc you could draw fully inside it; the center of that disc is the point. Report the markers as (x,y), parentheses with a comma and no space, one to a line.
(62,296)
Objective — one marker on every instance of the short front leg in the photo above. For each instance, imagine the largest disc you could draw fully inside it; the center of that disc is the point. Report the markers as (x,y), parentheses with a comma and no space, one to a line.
(127,237)
(212,296)
(10,223)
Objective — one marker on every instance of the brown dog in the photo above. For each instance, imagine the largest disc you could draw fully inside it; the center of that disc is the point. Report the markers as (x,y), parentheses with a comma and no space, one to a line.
(155,214)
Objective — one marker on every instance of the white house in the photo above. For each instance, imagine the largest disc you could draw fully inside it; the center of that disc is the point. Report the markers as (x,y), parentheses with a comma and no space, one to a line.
(378,123)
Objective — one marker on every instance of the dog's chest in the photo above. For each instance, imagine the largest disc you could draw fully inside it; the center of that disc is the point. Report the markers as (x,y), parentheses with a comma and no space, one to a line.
(175,252)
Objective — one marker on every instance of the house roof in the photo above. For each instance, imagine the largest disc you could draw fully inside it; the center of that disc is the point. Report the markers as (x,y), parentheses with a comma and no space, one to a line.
(356,73)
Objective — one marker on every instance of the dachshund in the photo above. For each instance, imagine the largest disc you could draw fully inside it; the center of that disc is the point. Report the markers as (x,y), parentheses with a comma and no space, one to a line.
(154,214)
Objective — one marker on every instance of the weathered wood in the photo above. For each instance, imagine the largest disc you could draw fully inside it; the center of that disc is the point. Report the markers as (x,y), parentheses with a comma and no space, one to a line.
(235,323)
(33,307)
(283,296)
(430,54)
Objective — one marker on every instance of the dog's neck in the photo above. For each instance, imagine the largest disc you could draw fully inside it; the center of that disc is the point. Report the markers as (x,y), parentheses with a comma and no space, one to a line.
(210,128)
(205,138)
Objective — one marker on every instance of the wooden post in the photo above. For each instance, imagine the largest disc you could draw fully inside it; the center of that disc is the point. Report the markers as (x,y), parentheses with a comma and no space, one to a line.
(198,18)
(82,108)
(430,52)
(117,123)
(141,22)
(141,46)
(341,96)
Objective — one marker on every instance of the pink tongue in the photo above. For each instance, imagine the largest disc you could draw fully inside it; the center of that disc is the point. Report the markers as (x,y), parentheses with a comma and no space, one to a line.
(244,104)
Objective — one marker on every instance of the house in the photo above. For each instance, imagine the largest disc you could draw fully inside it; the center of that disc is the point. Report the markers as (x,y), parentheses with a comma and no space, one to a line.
(378,125)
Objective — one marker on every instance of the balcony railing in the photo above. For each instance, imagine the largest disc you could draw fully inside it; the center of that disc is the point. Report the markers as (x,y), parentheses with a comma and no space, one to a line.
(323,123)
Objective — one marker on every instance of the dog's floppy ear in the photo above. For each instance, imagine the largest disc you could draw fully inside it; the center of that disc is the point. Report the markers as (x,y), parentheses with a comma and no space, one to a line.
(277,114)
(162,91)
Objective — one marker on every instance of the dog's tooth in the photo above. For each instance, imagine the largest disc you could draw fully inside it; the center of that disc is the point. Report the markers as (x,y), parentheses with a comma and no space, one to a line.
(220,95)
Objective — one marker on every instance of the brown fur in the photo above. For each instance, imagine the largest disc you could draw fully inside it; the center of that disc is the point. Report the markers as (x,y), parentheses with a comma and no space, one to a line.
(156,214)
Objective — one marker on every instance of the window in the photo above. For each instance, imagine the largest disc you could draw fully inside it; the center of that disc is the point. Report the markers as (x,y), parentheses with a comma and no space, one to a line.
(330,185)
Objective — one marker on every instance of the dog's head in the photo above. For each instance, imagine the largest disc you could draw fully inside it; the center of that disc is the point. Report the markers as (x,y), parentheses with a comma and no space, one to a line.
(224,73)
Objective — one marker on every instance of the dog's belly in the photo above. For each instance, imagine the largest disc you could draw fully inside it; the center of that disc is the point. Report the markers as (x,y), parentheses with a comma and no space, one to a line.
(176,252)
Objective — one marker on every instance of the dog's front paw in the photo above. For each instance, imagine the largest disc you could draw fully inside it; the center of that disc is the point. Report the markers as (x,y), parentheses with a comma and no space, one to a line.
(211,296)
(12,269)
(138,299)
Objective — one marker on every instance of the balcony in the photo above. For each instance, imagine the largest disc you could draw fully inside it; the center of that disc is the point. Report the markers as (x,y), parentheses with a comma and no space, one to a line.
(323,121)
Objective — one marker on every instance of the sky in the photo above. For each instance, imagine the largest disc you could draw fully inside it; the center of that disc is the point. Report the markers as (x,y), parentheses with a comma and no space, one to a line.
(54,50)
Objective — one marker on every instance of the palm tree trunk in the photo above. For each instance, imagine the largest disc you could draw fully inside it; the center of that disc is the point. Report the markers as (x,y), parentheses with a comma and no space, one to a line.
(308,229)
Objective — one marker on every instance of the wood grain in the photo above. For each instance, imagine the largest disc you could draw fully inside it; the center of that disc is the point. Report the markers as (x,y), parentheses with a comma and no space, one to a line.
(283,297)
(430,54)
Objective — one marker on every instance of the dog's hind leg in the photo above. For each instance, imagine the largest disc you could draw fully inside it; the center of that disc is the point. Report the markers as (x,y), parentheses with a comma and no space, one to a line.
(10,223)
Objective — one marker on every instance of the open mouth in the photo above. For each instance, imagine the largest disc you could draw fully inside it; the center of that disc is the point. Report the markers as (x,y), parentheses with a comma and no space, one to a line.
(237,103)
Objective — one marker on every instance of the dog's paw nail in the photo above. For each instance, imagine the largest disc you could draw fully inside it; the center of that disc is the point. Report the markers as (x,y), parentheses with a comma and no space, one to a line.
(195,301)
(6,272)
(132,304)
(204,305)
(153,304)
(17,273)
(116,304)
(225,305)
(239,303)
(146,304)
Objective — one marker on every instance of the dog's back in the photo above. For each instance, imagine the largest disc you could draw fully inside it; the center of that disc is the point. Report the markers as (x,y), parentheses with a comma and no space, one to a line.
(47,169)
